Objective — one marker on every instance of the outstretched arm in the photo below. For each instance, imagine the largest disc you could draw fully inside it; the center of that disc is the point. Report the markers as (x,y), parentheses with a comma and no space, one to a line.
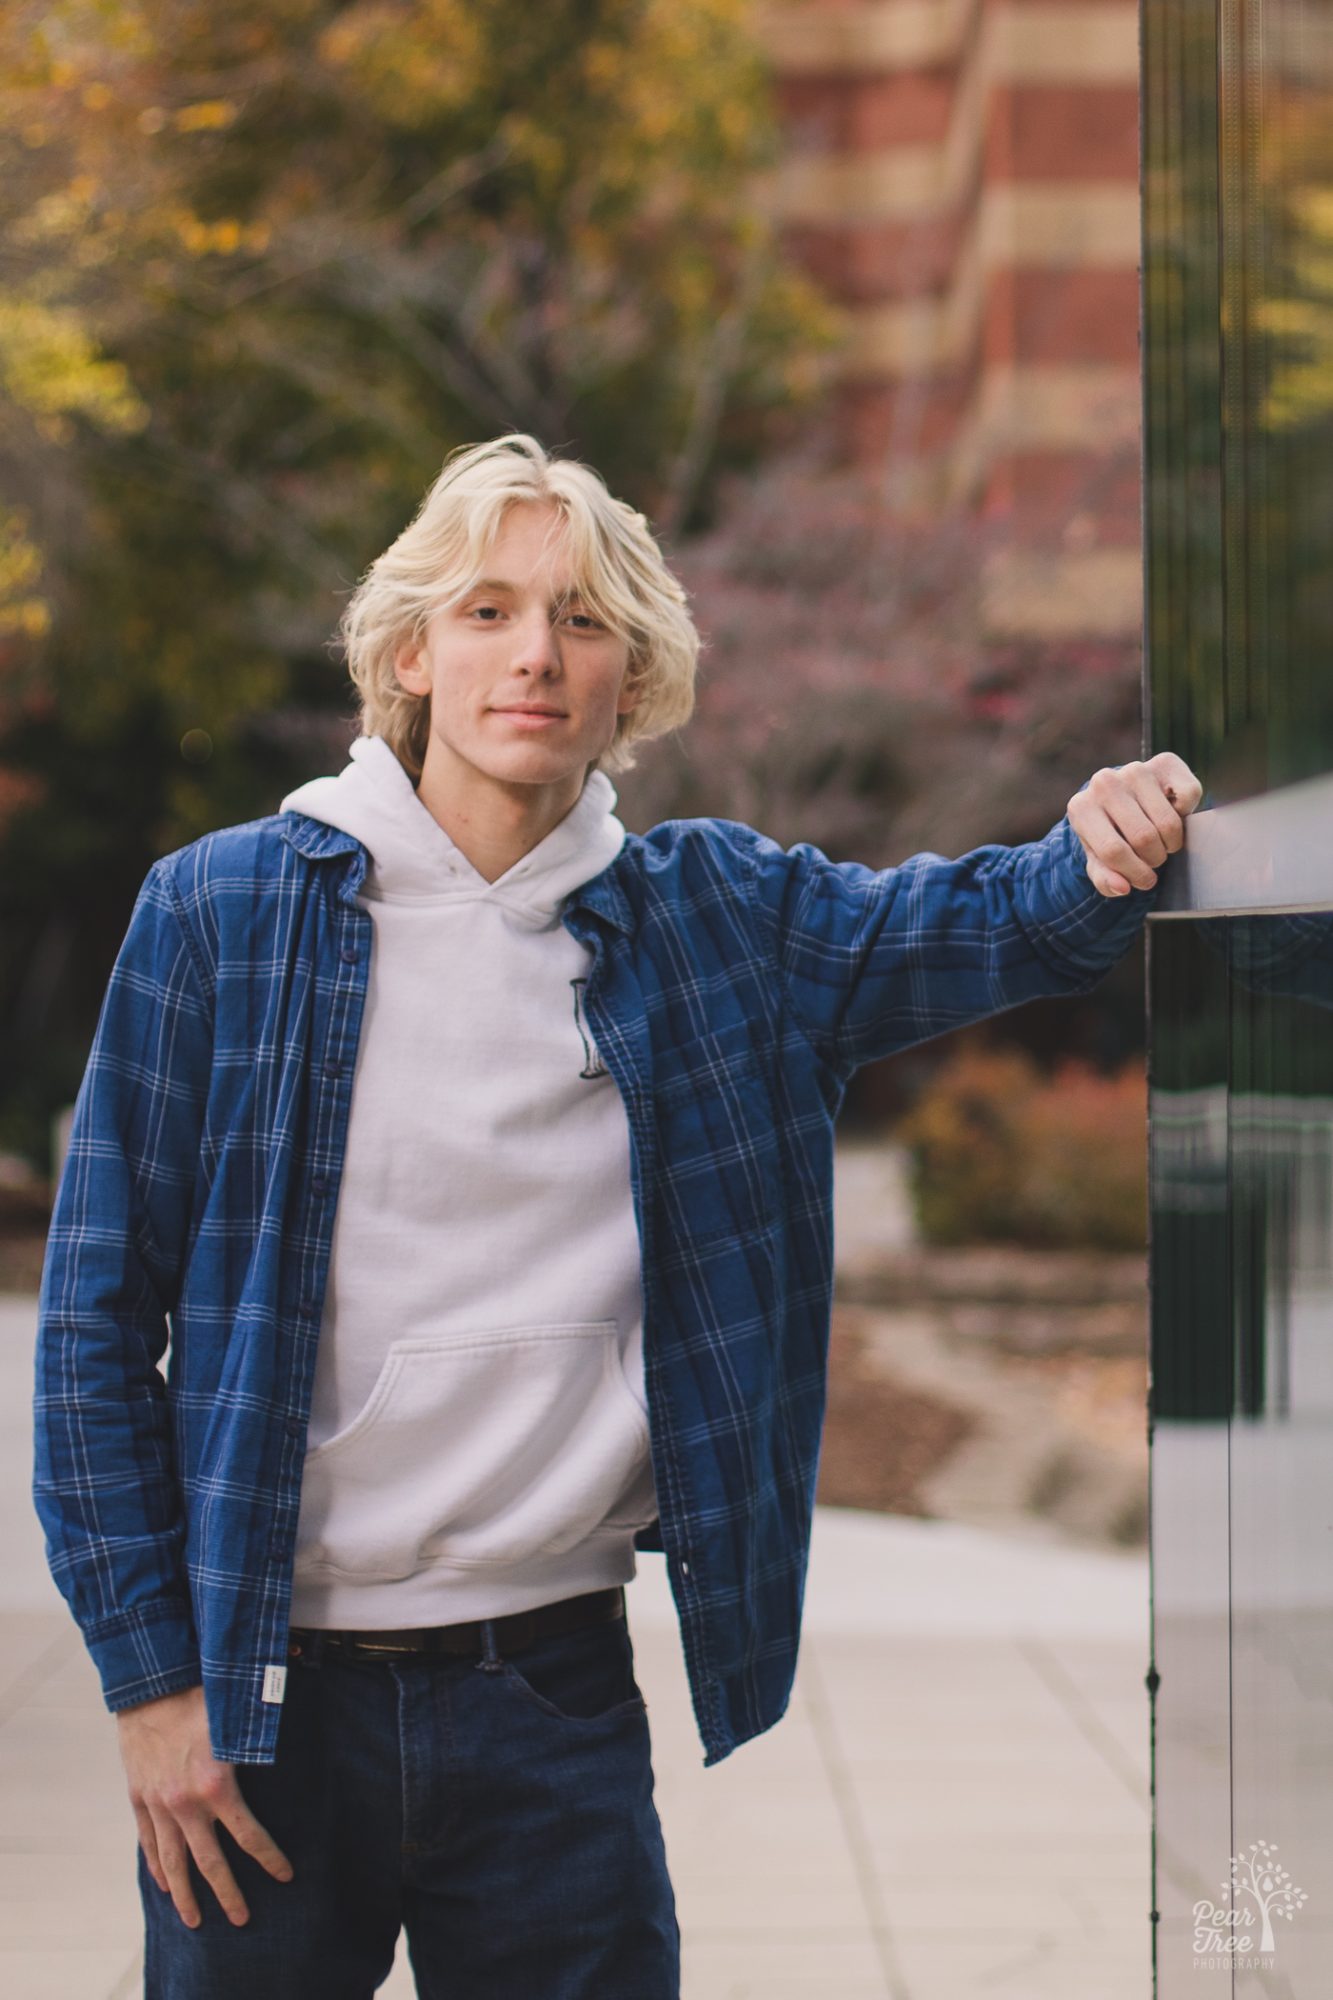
(873,961)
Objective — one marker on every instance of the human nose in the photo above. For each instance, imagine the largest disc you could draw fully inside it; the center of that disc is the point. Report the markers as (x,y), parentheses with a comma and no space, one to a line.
(536,647)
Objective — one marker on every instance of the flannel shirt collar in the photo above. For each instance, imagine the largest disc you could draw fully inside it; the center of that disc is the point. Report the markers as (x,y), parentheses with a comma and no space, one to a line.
(314,838)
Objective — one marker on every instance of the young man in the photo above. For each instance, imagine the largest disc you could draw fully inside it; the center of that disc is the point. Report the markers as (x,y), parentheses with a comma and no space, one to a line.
(476,1158)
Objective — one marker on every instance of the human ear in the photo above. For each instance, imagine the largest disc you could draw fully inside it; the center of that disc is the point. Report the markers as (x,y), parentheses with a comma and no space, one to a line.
(407,666)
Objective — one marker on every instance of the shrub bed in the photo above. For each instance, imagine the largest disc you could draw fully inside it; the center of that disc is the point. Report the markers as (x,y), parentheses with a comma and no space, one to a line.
(1002,1152)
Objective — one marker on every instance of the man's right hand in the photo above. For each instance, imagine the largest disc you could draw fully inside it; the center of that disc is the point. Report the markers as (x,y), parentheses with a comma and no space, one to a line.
(178,1789)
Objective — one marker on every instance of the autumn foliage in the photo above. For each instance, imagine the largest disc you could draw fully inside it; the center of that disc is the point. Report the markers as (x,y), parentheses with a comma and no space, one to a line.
(1003,1152)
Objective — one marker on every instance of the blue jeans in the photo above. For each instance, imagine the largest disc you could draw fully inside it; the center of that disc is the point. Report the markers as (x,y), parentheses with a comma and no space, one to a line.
(501,1809)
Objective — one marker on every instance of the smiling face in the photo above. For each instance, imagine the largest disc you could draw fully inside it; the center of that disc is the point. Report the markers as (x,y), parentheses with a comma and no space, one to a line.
(521,640)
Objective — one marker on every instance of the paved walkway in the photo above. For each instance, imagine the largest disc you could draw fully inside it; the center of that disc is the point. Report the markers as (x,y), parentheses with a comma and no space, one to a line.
(955,1806)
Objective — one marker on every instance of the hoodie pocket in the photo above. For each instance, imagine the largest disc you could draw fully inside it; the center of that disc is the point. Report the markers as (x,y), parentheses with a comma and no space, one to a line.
(477,1448)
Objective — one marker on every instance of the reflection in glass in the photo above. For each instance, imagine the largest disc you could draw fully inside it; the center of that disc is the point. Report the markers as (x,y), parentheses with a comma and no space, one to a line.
(1238,387)
(1241,1183)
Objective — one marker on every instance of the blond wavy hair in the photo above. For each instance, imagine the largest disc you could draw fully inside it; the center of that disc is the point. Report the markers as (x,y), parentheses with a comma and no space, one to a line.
(441,554)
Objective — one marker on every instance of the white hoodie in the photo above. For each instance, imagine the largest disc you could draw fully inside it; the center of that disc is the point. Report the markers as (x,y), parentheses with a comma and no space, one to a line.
(478,1437)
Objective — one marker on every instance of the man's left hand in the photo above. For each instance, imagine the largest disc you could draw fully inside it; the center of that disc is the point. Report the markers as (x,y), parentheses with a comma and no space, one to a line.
(1130,817)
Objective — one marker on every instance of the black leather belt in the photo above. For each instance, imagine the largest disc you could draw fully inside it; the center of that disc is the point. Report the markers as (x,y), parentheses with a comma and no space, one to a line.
(512,1633)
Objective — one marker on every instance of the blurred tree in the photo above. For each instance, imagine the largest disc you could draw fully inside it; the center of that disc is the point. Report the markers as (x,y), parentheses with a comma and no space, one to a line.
(52,308)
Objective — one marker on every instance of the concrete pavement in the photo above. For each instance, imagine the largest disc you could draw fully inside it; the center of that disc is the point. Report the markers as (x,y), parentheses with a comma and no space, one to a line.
(955,1806)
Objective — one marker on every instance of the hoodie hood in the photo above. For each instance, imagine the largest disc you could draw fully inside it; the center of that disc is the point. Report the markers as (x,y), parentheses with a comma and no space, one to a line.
(412,858)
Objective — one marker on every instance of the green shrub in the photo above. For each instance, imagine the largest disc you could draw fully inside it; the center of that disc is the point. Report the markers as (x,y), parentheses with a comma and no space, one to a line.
(1002,1152)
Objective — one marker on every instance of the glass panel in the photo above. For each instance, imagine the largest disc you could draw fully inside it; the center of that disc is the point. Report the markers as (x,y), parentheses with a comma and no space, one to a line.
(1238,516)
(1238,388)
(1241,1182)
(1189,1480)
(1280,1144)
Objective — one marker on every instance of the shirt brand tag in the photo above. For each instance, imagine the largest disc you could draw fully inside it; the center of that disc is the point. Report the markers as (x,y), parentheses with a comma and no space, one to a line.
(275,1681)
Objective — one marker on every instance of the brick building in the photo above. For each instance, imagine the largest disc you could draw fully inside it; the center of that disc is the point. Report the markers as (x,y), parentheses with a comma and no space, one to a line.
(963,178)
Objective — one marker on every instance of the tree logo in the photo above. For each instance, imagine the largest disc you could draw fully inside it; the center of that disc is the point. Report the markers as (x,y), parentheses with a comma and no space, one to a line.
(1261,1890)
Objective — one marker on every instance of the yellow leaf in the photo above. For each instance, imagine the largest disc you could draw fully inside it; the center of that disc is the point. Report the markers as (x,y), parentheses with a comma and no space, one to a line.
(207,116)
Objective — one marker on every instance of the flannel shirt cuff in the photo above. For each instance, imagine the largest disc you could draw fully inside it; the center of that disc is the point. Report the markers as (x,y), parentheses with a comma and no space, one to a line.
(1089,927)
(146,1652)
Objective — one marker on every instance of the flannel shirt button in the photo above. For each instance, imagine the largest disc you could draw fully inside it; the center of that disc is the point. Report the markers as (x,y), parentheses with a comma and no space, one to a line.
(293,1427)
(333,1068)
(349,954)
(319,1185)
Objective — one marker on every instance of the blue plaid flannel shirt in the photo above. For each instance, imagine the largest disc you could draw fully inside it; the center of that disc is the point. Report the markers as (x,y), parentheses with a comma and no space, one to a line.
(734,988)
